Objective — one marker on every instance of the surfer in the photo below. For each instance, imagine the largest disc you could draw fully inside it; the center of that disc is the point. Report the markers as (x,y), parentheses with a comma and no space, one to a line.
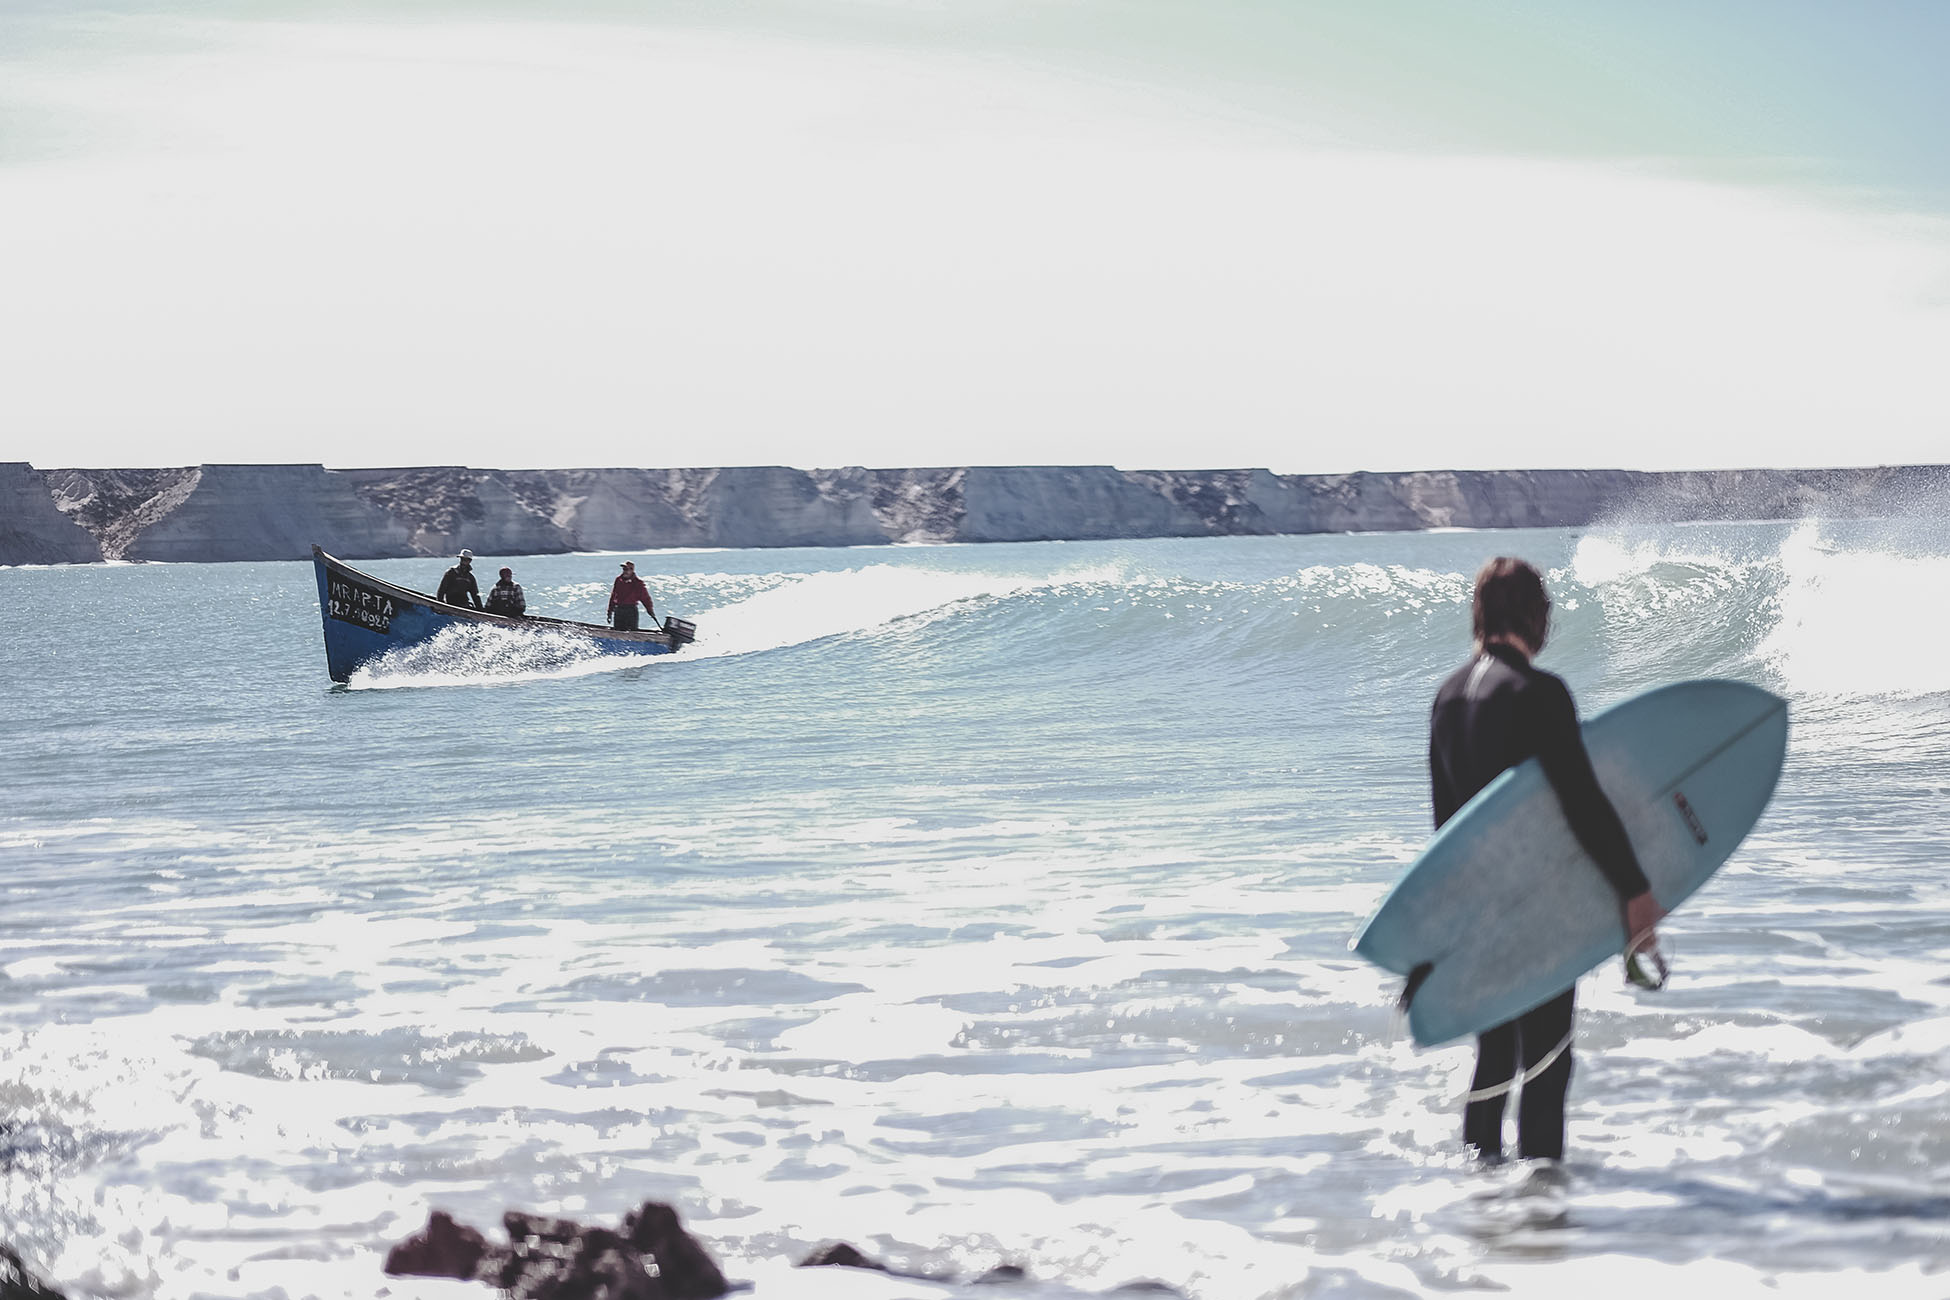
(1493,713)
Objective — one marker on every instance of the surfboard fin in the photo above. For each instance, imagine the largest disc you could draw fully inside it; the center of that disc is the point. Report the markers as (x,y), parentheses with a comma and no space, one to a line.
(1412,983)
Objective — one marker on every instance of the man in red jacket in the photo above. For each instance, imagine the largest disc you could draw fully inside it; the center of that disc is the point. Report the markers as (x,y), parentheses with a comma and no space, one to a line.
(623,598)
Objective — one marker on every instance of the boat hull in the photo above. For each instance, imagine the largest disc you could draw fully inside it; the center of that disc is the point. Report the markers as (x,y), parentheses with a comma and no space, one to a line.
(366,616)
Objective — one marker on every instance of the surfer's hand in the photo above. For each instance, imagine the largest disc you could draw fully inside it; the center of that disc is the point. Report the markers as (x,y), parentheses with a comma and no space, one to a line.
(1642,917)
(1642,913)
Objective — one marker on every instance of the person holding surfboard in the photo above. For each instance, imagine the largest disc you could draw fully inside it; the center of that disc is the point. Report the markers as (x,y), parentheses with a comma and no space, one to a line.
(1491,714)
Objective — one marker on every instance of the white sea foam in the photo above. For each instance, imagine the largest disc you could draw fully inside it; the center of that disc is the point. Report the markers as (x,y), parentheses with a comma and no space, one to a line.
(1603,557)
(820,605)
(1861,620)
(476,654)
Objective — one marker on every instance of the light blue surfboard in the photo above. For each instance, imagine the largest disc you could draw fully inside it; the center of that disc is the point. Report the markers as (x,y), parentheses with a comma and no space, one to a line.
(1506,906)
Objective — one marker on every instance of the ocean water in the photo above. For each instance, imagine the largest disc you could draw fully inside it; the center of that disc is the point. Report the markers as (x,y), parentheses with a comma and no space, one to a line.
(975,905)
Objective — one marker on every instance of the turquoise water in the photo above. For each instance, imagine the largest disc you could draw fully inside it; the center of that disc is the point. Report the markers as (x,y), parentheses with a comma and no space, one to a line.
(972,904)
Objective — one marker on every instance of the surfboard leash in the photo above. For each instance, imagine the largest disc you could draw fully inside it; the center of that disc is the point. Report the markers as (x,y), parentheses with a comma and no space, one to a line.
(1522,1076)
(1635,972)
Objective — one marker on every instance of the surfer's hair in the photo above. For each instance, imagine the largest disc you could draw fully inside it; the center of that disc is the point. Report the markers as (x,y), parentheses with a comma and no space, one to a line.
(1511,602)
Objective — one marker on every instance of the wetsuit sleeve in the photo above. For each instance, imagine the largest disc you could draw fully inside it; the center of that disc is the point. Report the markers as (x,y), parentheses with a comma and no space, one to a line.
(1442,792)
(1560,749)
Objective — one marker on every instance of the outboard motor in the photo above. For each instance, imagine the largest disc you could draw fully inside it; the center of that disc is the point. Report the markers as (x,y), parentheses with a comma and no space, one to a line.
(680,631)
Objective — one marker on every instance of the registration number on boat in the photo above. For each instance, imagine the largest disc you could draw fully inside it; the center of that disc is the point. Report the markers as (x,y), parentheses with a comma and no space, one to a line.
(352,603)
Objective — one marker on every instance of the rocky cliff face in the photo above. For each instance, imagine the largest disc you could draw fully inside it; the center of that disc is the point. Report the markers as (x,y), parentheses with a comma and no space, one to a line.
(33,527)
(227,512)
(1033,503)
(269,512)
(620,509)
(918,505)
(774,506)
(116,505)
(447,507)
(275,512)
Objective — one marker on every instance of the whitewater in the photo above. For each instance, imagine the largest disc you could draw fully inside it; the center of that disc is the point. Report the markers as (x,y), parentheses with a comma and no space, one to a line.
(974,905)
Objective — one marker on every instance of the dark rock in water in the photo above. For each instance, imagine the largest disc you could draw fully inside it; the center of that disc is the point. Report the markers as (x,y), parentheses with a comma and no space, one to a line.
(521,1225)
(840,1255)
(441,1249)
(606,1268)
(1002,1274)
(685,1268)
(590,1264)
(16,1283)
(653,1258)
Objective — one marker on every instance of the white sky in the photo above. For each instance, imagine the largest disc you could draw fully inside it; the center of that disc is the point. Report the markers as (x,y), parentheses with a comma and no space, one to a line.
(548,244)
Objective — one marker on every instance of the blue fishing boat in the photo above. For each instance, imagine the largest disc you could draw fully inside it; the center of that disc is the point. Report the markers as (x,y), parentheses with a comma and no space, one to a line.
(366,616)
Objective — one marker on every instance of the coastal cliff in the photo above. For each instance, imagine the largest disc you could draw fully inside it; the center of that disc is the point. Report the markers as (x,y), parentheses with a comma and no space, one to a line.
(32,529)
(275,512)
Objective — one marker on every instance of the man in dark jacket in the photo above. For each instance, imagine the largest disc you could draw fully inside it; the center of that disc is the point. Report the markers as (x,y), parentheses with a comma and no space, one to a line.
(624,596)
(1491,714)
(505,597)
(457,585)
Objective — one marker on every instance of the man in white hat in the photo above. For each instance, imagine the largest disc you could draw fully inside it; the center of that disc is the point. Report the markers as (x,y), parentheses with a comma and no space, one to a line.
(457,585)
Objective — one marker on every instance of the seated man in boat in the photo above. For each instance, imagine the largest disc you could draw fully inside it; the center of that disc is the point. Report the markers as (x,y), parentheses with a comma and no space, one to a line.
(505,597)
(457,585)
(623,598)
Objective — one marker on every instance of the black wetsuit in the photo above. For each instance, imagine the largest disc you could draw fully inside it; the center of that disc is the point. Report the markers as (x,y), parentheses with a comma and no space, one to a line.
(1493,713)
(457,587)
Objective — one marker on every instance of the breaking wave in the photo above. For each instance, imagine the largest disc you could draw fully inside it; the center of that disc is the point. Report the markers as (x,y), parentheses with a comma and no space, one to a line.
(792,611)
(821,605)
(1828,610)
(1861,620)
(1818,609)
